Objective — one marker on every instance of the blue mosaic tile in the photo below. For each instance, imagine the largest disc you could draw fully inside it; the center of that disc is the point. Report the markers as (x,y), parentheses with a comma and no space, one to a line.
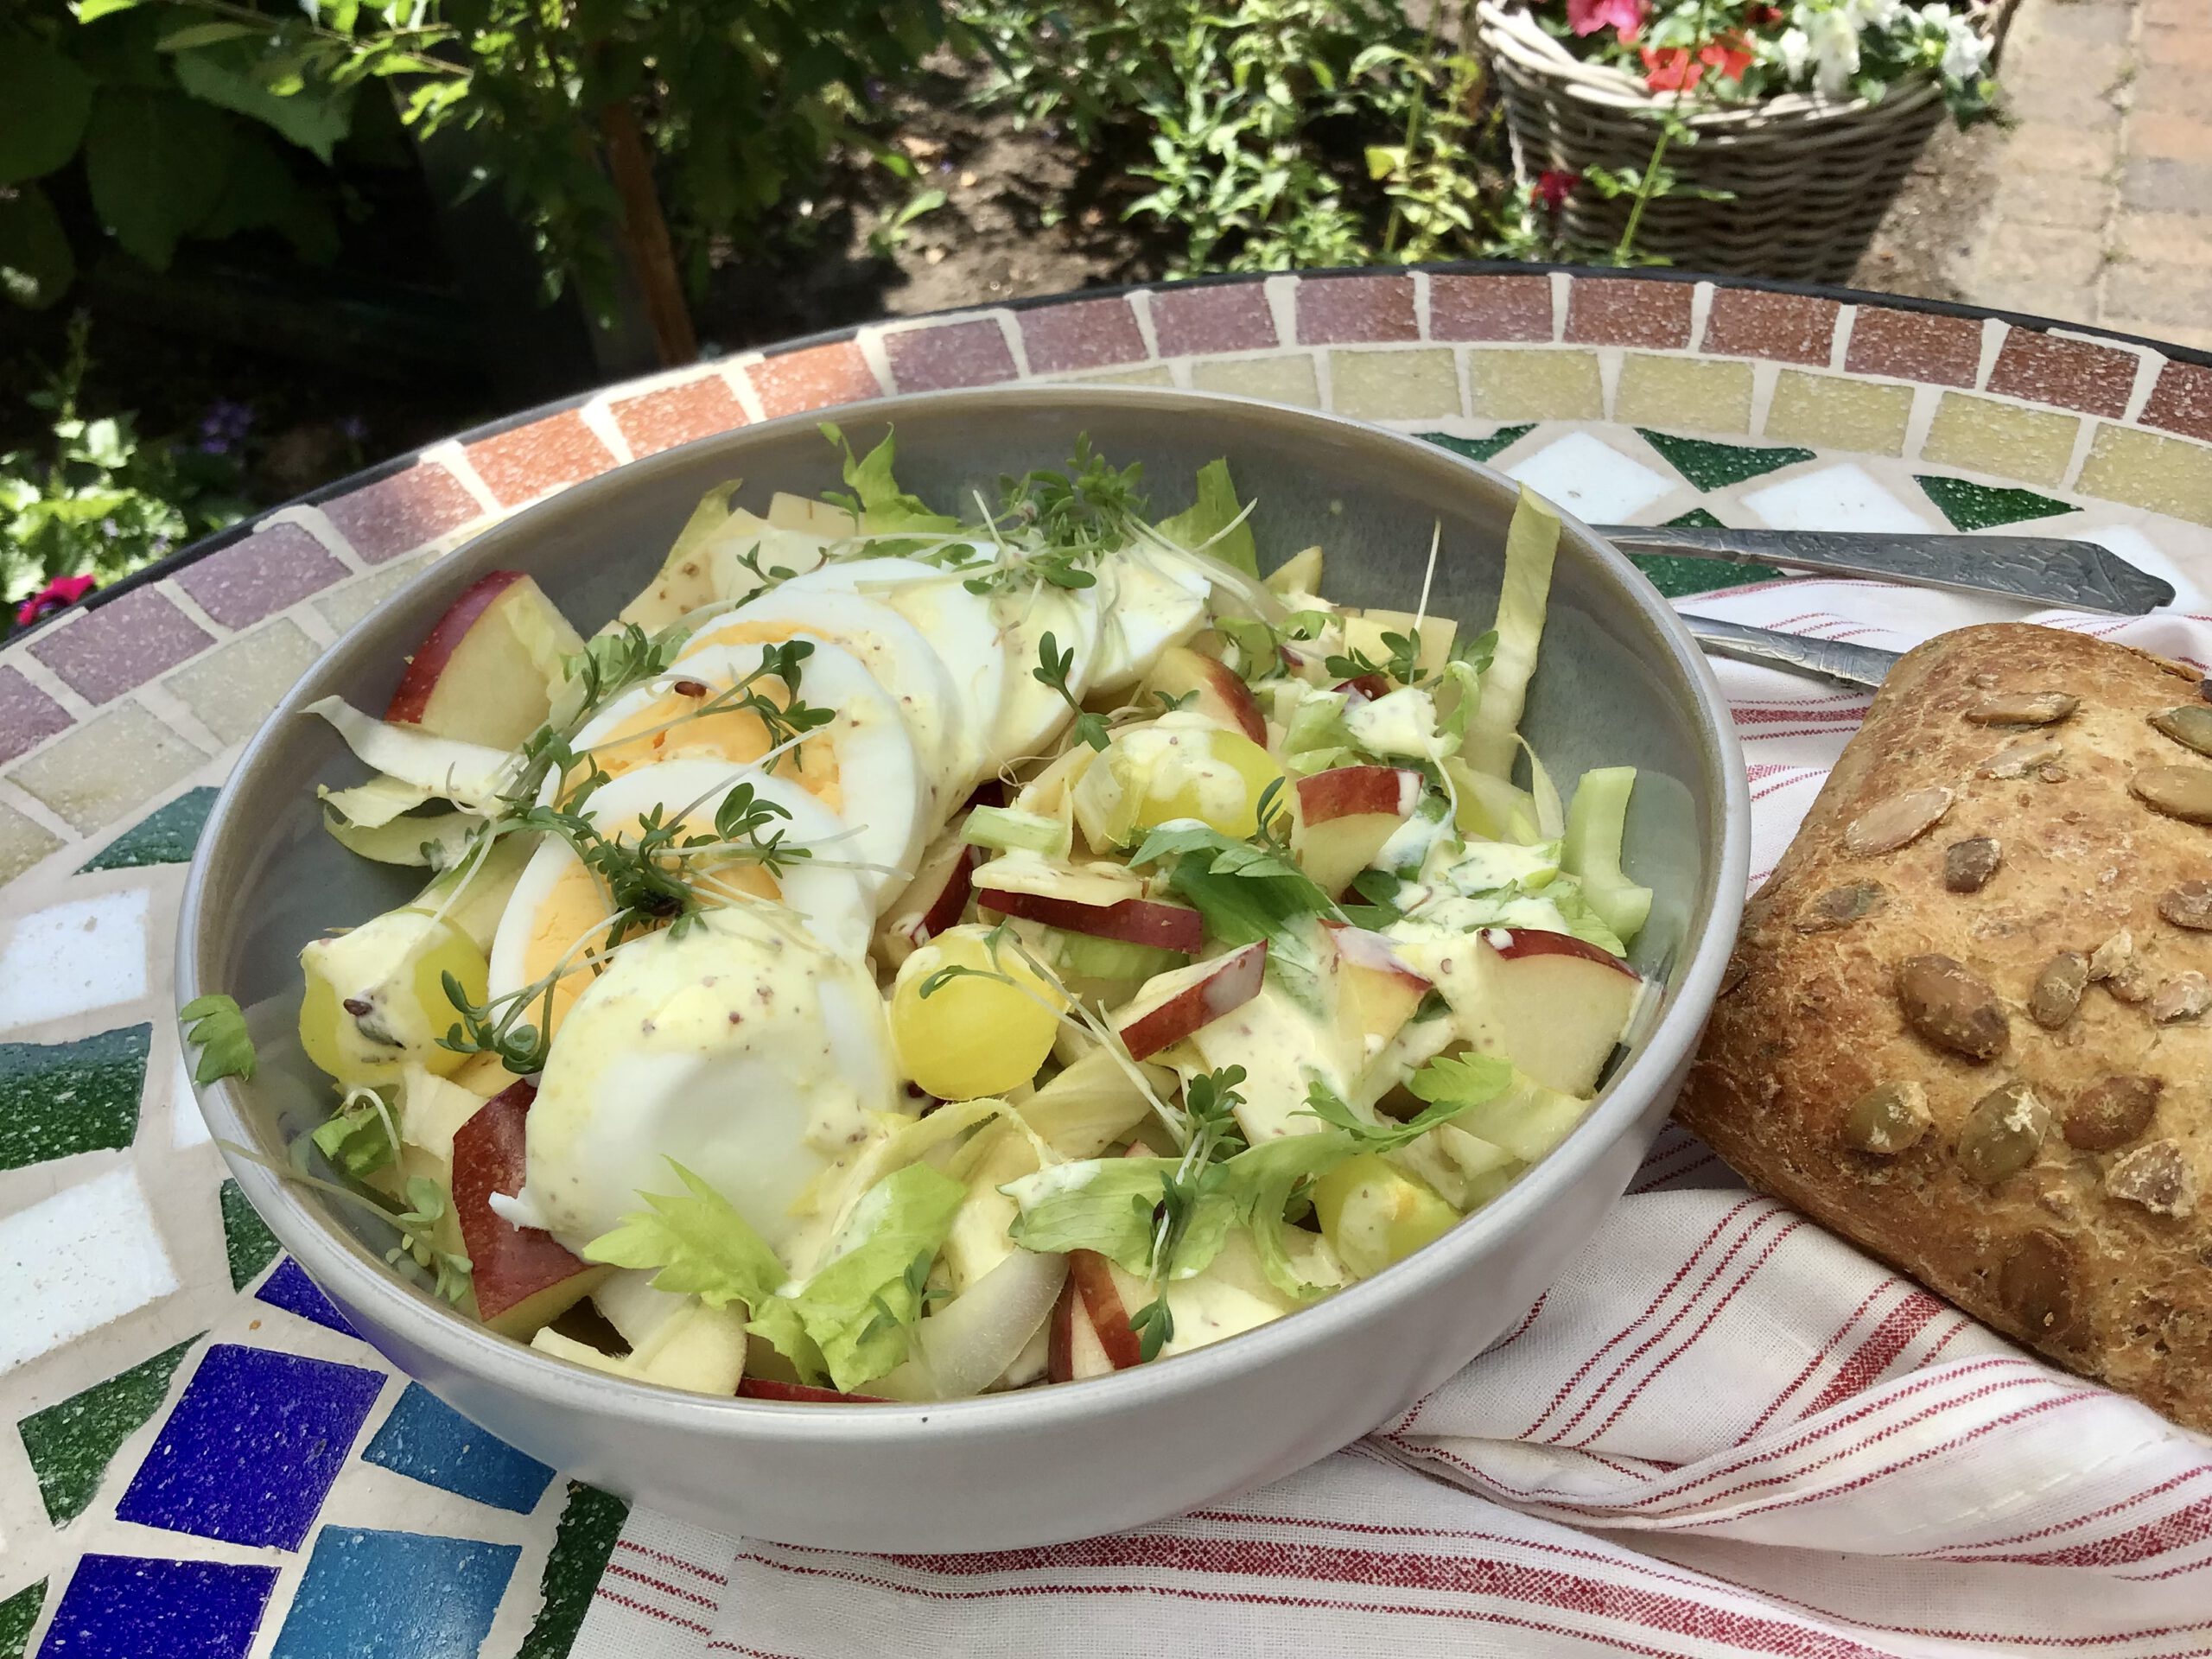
(290,1289)
(395,1595)
(426,1440)
(133,1607)
(250,1449)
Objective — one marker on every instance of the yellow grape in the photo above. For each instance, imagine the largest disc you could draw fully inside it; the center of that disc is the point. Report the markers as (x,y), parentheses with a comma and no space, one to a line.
(973,1034)
(394,964)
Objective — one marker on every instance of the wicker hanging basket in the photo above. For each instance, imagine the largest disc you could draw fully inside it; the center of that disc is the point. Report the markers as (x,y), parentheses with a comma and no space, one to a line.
(1809,178)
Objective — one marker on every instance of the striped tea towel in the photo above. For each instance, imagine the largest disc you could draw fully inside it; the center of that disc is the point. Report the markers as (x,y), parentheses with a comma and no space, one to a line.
(1722,1431)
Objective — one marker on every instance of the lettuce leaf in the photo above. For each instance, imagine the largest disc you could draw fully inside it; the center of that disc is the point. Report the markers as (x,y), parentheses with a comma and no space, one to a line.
(356,1139)
(1212,513)
(1597,820)
(876,500)
(1531,543)
(1108,1204)
(860,1306)
(702,1247)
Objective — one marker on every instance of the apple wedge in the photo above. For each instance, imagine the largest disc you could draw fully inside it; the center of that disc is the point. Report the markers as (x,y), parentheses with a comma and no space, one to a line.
(935,899)
(802,1393)
(1207,685)
(1377,991)
(1346,816)
(522,1277)
(1105,901)
(1091,1333)
(486,672)
(1553,1004)
(1174,1005)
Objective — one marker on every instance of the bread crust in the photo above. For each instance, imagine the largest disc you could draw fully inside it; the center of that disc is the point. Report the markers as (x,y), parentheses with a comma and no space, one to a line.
(2075,1215)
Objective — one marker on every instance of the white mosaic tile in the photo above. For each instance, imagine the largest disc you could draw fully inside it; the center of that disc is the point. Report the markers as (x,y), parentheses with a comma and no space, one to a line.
(1842,497)
(1592,479)
(71,958)
(187,1127)
(73,1263)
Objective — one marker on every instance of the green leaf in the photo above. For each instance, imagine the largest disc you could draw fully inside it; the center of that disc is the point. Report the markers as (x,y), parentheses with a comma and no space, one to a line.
(1262,1184)
(702,1247)
(215,1024)
(260,193)
(44,101)
(155,163)
(36,263)
(1108,1204)
(355,1140)
(1450,1085)
(314,117)
(860,1306)
(879,503)
(187,35)
(1209,516)
(91,11)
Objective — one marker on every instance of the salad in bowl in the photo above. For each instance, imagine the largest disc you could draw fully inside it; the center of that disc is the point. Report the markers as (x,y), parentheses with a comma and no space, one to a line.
(923,950)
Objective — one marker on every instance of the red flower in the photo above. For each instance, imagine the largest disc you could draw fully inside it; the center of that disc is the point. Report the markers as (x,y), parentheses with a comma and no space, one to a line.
(1588,16)
(1553,187)
(1669,69)
(62,590)
(1731,54)
(1764,16)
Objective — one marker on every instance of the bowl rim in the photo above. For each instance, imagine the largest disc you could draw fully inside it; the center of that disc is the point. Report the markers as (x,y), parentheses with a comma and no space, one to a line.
(334,1259)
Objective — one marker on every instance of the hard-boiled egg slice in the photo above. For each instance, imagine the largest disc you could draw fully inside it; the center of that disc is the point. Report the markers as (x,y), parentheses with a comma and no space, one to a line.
(862,765)
(744,1053)
(959,625)
(1033,712)
(889,646)
(562,908)
(1153,600)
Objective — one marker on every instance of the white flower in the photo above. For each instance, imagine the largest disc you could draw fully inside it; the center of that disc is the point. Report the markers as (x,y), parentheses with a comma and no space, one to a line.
(1834,42)
(1964,50)
(1875,14)
(1796,50)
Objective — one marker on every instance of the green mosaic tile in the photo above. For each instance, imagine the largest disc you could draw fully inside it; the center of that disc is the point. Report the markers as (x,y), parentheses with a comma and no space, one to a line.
(58,1098)
(1712,466)
(1979,506)
(71,1444)
(582,1543)
(1480,449)
(17,1614)
(1678,578)
(246,1238)
(165,836)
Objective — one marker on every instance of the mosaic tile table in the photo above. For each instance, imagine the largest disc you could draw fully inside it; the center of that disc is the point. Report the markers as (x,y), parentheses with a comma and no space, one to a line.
(198,1458)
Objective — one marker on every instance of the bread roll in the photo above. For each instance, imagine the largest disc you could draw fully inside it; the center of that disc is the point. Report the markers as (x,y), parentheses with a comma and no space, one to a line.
(1968,1024)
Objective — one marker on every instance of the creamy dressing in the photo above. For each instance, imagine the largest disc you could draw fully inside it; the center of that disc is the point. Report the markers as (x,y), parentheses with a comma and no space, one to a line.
(1402,724)
(1283,1047)
(1174,758)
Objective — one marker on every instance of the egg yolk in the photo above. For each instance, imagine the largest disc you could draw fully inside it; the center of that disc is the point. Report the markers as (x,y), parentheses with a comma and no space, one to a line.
(667,727)
(576,903)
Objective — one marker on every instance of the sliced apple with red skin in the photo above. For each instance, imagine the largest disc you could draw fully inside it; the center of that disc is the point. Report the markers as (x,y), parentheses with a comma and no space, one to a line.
(1554,1004)
(486,672)
(935,899)
(1105,901)
(1208,686)
(1377,991)
(1345,817)
(802,1393)
(1367,687)
(522,1277)
(1174,1005)
(1091,1331)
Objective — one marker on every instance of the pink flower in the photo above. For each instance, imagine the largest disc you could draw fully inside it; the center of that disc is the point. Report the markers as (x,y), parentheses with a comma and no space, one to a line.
(1553,187)
(62,590)
(1588,16)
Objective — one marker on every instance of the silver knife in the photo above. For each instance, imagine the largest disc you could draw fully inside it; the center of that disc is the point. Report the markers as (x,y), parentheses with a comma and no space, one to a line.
(1830,659)
(2048,569)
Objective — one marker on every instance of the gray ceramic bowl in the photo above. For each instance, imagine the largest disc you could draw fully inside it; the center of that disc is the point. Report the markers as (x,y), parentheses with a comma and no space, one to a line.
(1618,681)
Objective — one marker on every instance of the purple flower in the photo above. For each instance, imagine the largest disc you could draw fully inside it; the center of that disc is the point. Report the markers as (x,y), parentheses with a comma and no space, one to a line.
(225,424)
(352,428)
